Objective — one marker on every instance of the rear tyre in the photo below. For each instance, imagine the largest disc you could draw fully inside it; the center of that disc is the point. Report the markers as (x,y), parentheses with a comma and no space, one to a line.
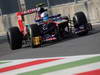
(14,38)
(35,36)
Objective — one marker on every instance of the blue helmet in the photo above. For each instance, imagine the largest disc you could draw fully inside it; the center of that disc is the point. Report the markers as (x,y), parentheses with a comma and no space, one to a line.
(45,16)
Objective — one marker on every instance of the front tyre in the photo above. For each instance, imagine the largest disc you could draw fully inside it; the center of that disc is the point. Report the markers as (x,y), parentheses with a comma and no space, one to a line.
(79,20)
(14,38)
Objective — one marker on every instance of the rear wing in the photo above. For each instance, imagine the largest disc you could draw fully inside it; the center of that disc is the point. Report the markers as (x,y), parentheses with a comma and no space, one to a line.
(20,17)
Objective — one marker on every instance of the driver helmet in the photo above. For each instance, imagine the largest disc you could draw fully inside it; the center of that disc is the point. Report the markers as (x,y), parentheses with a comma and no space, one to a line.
(44,16)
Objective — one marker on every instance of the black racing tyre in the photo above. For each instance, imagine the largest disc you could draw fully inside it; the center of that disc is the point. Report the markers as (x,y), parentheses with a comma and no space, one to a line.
(79,19)
(14,38)
(35,33)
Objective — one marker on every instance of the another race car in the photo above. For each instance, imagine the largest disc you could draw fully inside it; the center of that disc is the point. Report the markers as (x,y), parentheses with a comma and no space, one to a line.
(46,28)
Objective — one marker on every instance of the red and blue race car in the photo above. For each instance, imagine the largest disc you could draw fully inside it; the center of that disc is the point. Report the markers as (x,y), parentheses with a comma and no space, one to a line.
(46,28)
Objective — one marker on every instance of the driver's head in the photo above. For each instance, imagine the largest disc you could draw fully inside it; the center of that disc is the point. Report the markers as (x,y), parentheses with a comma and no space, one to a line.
(44,16)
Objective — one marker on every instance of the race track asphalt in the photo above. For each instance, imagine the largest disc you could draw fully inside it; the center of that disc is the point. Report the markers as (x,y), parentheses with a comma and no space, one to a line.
(89,44)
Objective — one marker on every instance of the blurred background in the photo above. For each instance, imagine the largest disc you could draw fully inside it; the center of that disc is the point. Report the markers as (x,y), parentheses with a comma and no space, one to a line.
(9,8)
(13,6)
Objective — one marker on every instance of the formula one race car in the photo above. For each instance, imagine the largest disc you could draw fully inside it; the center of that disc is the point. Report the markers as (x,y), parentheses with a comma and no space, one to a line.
(46,28)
